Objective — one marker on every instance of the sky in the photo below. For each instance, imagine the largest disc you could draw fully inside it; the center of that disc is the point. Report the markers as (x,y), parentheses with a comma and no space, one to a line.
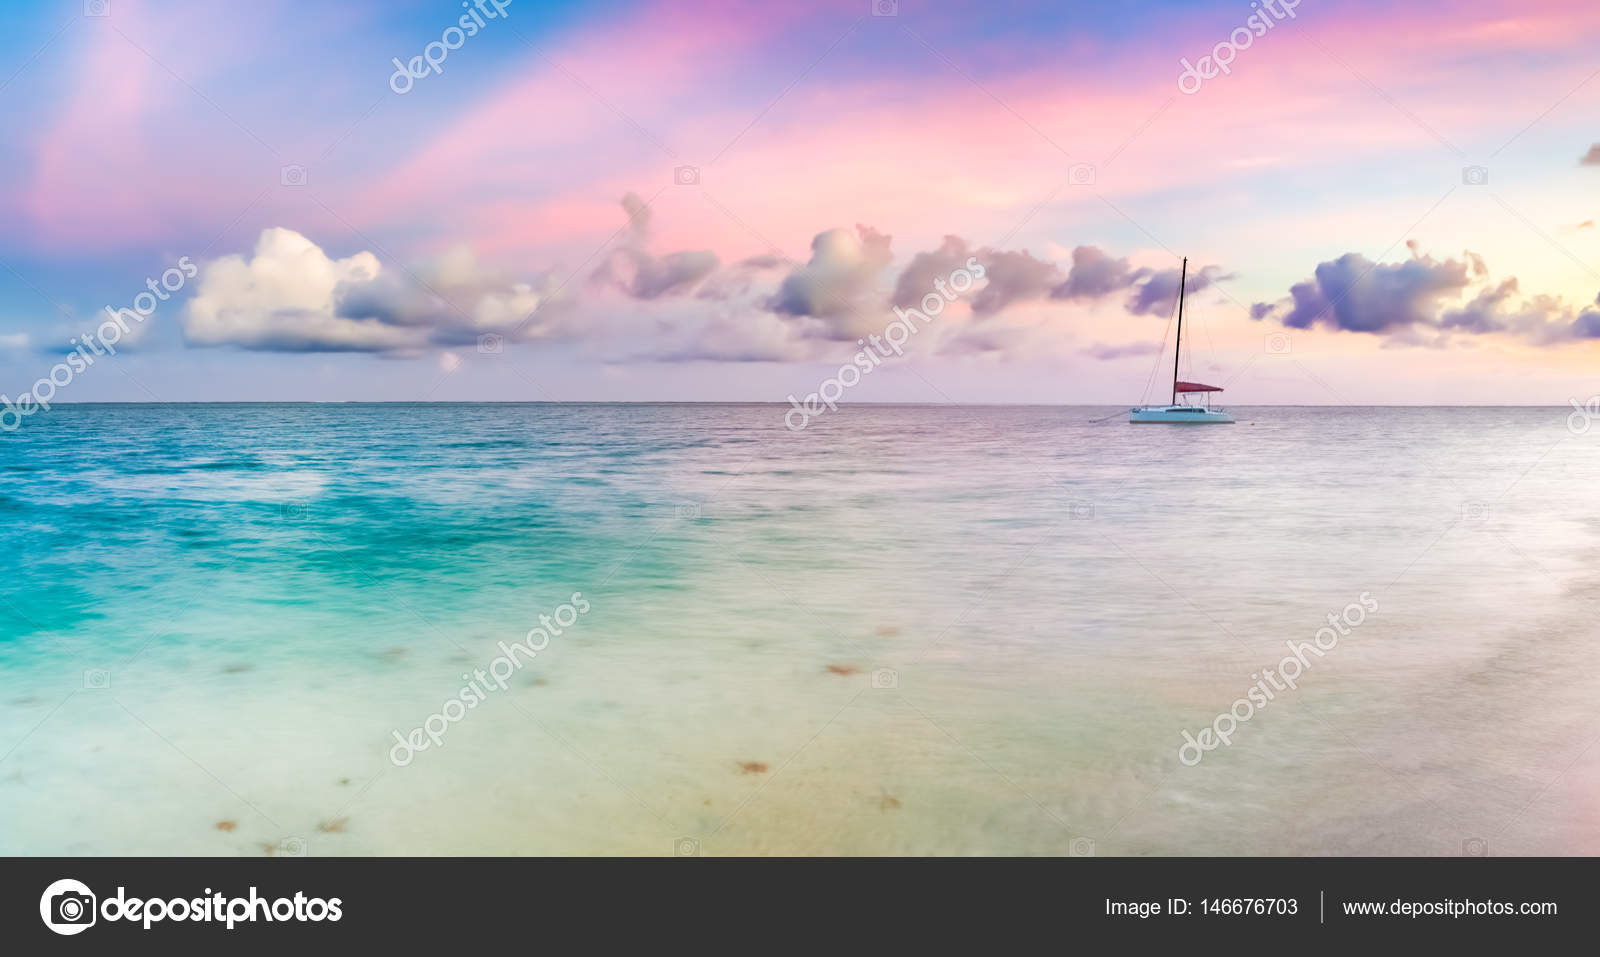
(973,202)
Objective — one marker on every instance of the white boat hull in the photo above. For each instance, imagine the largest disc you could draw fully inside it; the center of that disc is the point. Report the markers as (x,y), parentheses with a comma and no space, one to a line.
(1180,415)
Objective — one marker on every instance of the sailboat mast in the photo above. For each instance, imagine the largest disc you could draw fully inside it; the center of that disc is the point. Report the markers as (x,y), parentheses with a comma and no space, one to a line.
(1177,348)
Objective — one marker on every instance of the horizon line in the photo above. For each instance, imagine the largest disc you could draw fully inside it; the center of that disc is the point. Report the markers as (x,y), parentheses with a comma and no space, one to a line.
(1014,405)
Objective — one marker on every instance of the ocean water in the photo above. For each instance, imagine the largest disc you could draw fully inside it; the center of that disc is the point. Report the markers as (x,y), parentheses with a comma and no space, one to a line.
(904,630)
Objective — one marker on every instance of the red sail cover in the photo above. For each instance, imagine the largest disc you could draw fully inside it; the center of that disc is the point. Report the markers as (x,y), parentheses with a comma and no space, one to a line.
(1198,387)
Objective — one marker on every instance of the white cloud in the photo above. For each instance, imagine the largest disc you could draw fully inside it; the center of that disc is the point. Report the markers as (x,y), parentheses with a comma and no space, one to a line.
(290,296)
(837,283)
(284,298)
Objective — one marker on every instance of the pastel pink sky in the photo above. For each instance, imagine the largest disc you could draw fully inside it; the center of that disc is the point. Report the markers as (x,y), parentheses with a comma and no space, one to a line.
(1344,129)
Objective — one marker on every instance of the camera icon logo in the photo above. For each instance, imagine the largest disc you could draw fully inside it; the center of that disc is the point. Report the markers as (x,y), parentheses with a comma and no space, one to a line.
(885,8)
(292,847)
(97,8)
(97,679)
(1278,344)
(292,511)
(1474,511)
(686,175)
(885,678)
(1475,847)
(68,907)
(1081,174)
(1081,511)
(688,512)
(491,343)
(292,175)
(1081,847)
(1475,175)
(686,847)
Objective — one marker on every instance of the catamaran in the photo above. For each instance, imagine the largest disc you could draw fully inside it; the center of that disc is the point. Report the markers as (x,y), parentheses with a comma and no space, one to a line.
(1182,413)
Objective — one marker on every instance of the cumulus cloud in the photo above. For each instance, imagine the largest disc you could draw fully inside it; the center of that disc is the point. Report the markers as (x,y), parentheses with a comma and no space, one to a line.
(740,279)
(638,212)
(291,296)
(925,268)
(1356,294)
(637,272)
(1157,295)
(1543,320)
(1425,301)
(835,295)
(454,300)
(1012,277)
(645,276)
(1485,313)
(1016,276)
(1095,274)
(284,298)
(843,269)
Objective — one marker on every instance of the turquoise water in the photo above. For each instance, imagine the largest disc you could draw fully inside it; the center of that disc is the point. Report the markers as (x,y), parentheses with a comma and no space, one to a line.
(904,630)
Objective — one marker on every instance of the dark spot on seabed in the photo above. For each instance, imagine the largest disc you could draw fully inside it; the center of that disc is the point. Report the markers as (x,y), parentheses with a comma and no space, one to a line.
(237,669)
(334,826)
(752,767)
(886,631)
(227,825)
(392,654)
(843,670)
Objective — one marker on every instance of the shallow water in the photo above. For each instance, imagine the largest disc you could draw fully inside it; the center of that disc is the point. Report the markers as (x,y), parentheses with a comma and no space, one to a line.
(904,630)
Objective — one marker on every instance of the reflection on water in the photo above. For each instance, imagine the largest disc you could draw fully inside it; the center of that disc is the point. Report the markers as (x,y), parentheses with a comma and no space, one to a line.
(905,630)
